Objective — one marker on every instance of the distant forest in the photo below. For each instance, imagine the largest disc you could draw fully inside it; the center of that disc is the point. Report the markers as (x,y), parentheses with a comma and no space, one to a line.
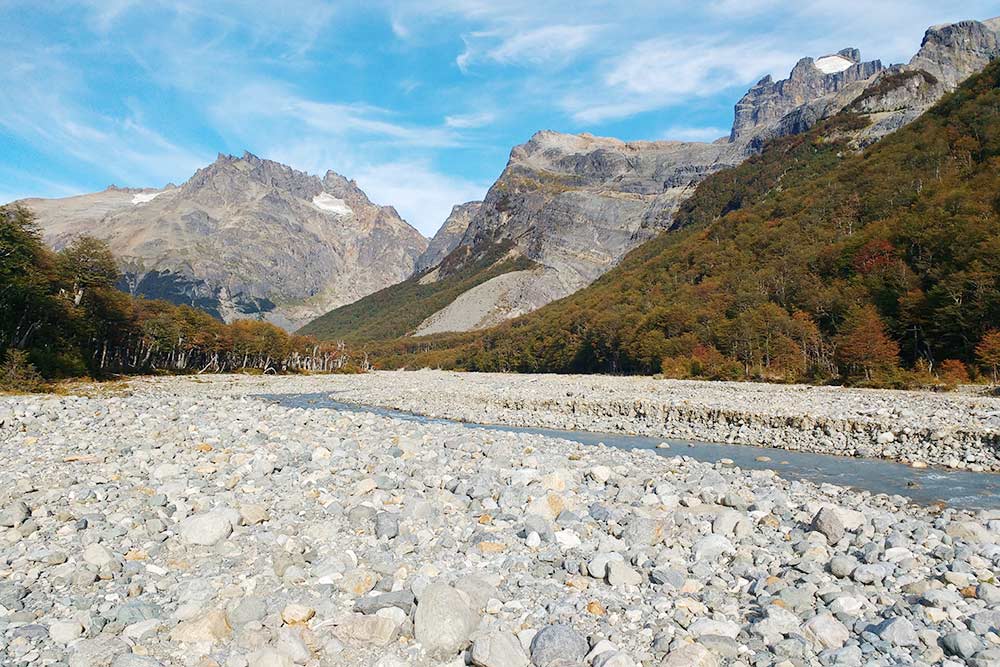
(61,317)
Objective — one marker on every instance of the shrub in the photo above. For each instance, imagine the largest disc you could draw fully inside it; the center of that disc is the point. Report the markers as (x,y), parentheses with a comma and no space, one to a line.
(954,372)
(18,374)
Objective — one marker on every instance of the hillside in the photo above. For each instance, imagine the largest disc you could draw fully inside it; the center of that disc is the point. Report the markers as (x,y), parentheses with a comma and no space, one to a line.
(775,267)
(574,205)
(244,237)
(400,309)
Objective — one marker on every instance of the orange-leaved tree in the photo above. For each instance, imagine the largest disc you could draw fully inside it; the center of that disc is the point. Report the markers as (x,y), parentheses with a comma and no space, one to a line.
(864,348)
(988,353)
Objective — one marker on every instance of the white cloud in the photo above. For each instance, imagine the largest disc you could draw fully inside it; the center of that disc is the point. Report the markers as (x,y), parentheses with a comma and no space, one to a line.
(706,134)
(664,71)
(422,195)
(41,107)
(472,120)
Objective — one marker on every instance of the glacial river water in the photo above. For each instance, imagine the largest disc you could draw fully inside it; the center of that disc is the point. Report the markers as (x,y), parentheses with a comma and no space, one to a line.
(955,488)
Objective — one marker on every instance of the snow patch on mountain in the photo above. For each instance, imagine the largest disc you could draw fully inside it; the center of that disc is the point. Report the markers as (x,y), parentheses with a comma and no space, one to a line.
(324,201)
(832,64)
(145,197)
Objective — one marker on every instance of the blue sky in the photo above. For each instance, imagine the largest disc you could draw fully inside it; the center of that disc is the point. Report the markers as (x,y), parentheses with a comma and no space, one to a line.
(419,101)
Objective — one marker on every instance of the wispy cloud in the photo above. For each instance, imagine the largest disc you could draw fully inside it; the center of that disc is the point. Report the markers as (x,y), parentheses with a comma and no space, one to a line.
(547,45)
(268,107)
(42,106)
(471,120)
(663,71)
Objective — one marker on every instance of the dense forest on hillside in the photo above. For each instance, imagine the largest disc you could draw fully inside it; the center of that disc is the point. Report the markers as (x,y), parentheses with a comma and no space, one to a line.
(811,261)
(399,309)
(61,316)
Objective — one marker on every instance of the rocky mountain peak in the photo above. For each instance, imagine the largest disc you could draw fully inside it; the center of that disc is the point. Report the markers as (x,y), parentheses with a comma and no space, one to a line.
(769,101)
(952,52)
(448,236)
(343,187)
(245,237)
(234,178)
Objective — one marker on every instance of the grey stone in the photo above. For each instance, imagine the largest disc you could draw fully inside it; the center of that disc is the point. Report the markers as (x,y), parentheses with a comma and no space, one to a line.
(962,644)
(207,528)
(557,642)
(898,631)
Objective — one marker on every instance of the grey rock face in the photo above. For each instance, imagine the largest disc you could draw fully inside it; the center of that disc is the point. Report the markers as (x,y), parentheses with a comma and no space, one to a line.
(764,106)
(244,237)
(953,52)
(889,97)
(448,236)
(574,205)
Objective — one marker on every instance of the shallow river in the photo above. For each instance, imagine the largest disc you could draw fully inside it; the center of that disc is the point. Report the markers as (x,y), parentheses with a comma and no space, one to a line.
(956,488)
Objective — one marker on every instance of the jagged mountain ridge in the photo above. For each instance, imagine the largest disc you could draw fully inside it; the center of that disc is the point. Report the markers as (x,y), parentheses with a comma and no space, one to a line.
(575,204)
(448,236)
(245,237)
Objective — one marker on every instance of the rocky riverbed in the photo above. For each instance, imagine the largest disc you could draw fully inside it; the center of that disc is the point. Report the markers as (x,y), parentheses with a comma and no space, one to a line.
(187,522)
(956,430)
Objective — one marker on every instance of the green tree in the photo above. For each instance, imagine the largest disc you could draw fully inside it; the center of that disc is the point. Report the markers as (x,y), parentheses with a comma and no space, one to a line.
(87,264)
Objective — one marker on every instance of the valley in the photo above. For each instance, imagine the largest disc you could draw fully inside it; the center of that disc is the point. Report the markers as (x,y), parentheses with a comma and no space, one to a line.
(718,389)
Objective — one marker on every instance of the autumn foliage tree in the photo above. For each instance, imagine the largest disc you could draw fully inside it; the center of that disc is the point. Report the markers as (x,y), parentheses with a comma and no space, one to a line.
(988,353)
(864,348)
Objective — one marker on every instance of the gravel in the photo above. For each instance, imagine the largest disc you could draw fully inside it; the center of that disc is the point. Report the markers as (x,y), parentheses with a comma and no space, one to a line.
(957,430)
(187,522)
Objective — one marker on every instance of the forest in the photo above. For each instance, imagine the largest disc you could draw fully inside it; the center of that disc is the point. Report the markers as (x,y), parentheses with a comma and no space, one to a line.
(61,317)
(812,262)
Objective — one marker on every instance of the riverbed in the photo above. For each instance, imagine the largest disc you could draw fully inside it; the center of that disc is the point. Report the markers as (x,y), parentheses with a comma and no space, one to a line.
(926,486)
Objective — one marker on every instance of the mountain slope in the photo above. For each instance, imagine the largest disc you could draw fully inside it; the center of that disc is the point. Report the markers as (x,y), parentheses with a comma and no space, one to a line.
(244,237)
(400,309)
(773,262)
(574,205)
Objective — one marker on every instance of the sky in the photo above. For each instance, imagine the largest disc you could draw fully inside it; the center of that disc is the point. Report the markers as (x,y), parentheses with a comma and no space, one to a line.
(419,101)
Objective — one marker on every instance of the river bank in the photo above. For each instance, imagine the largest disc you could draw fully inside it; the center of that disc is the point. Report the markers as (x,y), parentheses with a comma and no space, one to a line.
(955,430)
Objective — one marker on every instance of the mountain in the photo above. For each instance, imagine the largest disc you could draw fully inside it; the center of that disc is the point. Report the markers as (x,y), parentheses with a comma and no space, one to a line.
(244,237)
(574,205)
(776,108)
(448,236)
(810,261)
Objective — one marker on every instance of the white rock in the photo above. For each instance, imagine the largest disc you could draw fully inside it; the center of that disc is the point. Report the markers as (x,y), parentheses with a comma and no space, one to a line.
(206,529)
(64,632)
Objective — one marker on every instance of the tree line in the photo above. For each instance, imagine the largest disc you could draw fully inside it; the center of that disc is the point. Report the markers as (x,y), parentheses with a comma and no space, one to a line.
(62,316)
